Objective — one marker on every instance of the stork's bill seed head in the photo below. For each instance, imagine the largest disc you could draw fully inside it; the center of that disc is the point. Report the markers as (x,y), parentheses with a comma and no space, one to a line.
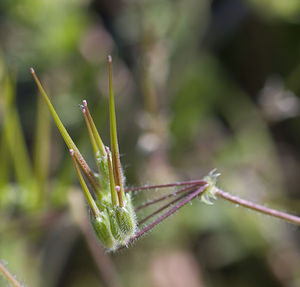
(112,215)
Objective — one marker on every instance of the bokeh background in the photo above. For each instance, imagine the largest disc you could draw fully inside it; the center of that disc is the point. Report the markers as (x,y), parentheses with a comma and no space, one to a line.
(199,85)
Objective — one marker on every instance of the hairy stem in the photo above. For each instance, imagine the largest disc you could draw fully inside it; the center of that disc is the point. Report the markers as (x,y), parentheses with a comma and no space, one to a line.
(259,208)
(163,208)
(186,200)
(12,280)
(178,183)
(153,201)
(92,204)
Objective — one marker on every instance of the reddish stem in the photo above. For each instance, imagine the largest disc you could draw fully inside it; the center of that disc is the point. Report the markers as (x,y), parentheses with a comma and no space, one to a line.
(179,183)
(163,208)
(87,172)
(150,202)
(10,278)
(187,199)
(254,206)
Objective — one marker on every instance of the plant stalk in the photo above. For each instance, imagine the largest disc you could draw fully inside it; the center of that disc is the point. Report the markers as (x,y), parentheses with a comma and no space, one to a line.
(257,207)
(10,278)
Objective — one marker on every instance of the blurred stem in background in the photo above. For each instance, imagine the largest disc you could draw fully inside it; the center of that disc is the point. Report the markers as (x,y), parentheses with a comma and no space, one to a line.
(10,278)
(152,66)
(27,189)
(14,143)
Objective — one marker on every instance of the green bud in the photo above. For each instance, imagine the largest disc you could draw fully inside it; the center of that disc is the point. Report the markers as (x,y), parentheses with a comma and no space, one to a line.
(102,229)
(104,173)
(126,221)
(114,226)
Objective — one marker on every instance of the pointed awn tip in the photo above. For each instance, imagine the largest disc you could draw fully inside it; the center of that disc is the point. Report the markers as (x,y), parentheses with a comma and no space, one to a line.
(82,107)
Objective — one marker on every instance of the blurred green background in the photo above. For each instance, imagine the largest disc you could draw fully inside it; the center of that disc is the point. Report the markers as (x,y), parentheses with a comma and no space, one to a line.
(198,85)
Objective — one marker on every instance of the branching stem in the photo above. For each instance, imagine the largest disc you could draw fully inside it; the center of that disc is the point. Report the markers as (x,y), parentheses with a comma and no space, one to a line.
(164,207)
(156,200)
(175,208)
(156,186)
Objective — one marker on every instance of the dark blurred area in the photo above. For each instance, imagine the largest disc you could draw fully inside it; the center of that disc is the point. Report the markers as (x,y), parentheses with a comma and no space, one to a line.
(198,85)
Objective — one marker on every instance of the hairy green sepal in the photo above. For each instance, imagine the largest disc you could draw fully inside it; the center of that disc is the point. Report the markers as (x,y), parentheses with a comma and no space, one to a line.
(115,225)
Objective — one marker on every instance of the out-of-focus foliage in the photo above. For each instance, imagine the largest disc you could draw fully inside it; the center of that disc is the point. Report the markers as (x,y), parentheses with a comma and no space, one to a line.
(288,10)
(199,85)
